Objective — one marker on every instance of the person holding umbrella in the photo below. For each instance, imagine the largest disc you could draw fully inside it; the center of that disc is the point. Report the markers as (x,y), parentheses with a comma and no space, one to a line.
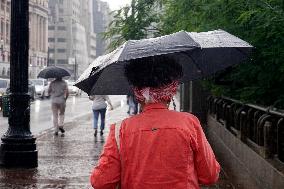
(158,148)
(58,90)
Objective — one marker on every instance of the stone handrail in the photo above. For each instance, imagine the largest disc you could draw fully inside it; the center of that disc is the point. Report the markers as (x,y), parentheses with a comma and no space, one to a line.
(261,128)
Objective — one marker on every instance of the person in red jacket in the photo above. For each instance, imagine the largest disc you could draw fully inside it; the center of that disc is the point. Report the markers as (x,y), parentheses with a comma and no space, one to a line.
(158,148)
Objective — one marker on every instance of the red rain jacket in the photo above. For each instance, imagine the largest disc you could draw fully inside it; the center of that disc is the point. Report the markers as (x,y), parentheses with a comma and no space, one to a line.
(159,149)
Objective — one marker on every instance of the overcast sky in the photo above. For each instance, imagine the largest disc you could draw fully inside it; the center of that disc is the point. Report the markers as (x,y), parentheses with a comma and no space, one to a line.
(116,4)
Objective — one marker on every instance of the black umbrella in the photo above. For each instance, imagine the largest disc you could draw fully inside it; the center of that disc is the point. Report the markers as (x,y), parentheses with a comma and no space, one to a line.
(200,54)
(53,72)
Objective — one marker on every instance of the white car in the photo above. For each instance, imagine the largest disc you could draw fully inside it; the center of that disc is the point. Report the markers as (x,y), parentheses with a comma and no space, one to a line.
(46,90)
(40,87)
(4,84)
(72,89)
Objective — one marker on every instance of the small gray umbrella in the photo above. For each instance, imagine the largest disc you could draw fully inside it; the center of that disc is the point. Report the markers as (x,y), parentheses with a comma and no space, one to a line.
(200,54)
(53,72)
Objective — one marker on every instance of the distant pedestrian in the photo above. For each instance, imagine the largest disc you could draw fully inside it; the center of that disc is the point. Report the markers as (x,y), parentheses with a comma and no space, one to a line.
(132,105)
(58,90)
(158,148)
(99,109)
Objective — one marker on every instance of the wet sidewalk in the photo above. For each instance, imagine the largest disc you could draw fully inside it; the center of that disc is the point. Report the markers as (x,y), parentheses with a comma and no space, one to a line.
(67,161)
(63,161)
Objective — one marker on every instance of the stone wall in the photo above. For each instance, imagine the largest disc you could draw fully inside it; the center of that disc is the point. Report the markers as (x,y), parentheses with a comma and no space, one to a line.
(247,169)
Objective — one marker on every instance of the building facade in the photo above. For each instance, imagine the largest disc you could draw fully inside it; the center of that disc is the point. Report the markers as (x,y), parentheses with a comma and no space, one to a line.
(92,47)
(38,16)
(5,6)
(38,12)
(70,35)
(101,20)
(87,21)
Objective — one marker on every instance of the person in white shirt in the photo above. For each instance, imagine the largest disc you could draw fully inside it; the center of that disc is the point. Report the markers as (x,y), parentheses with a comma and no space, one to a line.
(99,108)
(58,90)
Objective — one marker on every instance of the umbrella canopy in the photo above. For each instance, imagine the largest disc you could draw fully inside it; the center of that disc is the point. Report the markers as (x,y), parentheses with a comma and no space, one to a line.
(53,72)
(200,55)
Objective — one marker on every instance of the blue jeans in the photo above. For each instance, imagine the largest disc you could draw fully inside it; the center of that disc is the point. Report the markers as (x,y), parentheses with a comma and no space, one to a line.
(96,113)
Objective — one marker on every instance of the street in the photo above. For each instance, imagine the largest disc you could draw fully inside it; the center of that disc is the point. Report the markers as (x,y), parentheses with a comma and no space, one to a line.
(41,115)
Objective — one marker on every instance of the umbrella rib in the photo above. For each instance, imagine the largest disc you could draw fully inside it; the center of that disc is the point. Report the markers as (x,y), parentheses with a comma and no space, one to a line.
(194,62)
(124,47)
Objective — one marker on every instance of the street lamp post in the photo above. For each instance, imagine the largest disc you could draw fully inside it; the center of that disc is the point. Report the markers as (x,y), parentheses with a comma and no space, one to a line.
(18,147)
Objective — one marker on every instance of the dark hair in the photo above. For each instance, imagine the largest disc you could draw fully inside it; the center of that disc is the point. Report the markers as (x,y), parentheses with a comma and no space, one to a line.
(154,71)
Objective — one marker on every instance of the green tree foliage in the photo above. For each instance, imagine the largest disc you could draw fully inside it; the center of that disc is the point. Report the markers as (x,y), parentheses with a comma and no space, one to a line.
(260,22)
(131,22)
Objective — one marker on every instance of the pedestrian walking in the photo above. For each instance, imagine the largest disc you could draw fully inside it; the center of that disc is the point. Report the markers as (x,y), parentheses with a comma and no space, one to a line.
(99,109)
(132,105)
(58,90)
(158,148)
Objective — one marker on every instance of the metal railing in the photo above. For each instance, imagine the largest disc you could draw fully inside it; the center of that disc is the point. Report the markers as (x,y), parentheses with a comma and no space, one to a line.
(261,128)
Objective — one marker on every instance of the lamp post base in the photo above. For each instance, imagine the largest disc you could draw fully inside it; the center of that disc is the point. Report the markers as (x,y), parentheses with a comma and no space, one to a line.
(18,152)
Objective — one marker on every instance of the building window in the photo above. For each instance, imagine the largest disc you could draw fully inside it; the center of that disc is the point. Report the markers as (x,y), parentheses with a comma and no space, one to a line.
(41,62)
(8,7)
(61,40)
(61,28)
(51,28)
(61,10)
(7,31)
(51,39)
(61,19)
(61,61)
(51,61)
(61,50)
(2,27)
(51,50)
(2,6)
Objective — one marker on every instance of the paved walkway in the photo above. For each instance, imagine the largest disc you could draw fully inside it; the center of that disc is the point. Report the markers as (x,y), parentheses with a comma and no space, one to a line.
(67,161)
